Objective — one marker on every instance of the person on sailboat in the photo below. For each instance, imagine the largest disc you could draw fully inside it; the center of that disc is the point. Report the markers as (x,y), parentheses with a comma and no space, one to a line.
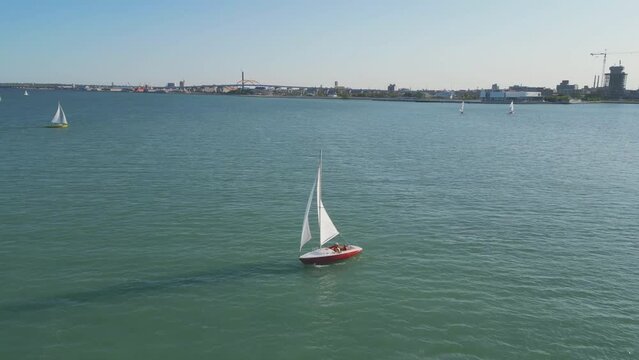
(338,248)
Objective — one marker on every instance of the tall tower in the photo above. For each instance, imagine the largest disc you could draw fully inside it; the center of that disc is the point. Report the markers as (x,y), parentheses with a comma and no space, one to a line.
(616,81)
(242,81)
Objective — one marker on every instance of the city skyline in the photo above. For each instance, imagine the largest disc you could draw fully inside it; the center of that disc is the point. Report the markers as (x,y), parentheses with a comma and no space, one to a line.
(465,45)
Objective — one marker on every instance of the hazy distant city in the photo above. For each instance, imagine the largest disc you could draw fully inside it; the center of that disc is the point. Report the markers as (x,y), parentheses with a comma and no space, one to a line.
(611,86)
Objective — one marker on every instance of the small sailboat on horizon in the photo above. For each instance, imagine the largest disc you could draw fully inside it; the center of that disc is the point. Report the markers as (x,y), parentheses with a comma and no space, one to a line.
(461,109)
(59,119)
(26,93)
(327,231)
(511,110)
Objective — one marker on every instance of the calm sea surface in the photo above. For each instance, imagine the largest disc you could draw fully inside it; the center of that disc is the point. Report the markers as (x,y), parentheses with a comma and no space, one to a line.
(167,227)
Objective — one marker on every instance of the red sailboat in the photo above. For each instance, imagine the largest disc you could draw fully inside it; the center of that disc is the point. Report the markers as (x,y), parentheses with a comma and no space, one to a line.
(327,231)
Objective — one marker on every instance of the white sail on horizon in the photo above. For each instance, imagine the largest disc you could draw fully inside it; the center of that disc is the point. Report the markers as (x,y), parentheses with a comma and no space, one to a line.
(59,117)
(461,109)
(512,108)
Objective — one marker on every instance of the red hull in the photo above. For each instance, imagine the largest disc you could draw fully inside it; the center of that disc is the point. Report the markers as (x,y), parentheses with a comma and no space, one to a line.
(323,260)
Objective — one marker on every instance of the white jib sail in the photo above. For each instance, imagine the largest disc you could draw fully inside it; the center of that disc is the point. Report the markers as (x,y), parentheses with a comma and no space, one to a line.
(462,107)
(306,230)
(512,107)
(326,227)
(64,117)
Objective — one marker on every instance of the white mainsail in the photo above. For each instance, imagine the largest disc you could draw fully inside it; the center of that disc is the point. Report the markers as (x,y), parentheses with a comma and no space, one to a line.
(512,108)
(59,117)
(461,109)
(306,229)
(327,229)
(26,93)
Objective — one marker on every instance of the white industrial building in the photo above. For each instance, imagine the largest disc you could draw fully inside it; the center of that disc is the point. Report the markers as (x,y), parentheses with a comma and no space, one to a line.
(510,95)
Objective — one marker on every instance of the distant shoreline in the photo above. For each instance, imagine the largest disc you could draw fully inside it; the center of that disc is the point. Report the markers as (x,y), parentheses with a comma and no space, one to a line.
(395,99)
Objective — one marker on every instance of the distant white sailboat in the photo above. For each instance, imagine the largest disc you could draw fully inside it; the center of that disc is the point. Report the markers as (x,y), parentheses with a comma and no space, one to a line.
(461,109)
(511,111)
(327,231)
(26,93)
(59,119)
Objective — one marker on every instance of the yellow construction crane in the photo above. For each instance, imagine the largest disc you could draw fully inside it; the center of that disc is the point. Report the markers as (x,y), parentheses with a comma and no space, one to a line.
(605,53)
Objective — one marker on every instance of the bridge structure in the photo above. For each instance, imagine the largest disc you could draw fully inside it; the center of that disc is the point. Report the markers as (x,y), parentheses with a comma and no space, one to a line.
(254,83)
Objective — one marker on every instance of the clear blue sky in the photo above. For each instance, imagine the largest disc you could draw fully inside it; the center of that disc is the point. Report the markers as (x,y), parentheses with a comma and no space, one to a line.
(367,44)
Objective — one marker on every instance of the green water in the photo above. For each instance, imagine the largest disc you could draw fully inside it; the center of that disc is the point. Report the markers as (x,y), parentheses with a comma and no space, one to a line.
(167,227)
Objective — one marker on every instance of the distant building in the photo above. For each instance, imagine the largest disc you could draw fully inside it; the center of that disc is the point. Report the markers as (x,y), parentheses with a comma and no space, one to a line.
(565,88)
(495,87)
(444,94)
(170,85)
(182,84)
(632,94)
(525,88)
(391,88)
(336,84)
(616,81)
(510,95)
(208,89)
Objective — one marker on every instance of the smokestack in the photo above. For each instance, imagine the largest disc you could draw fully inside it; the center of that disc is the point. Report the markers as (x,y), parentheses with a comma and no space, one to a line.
(242,80)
